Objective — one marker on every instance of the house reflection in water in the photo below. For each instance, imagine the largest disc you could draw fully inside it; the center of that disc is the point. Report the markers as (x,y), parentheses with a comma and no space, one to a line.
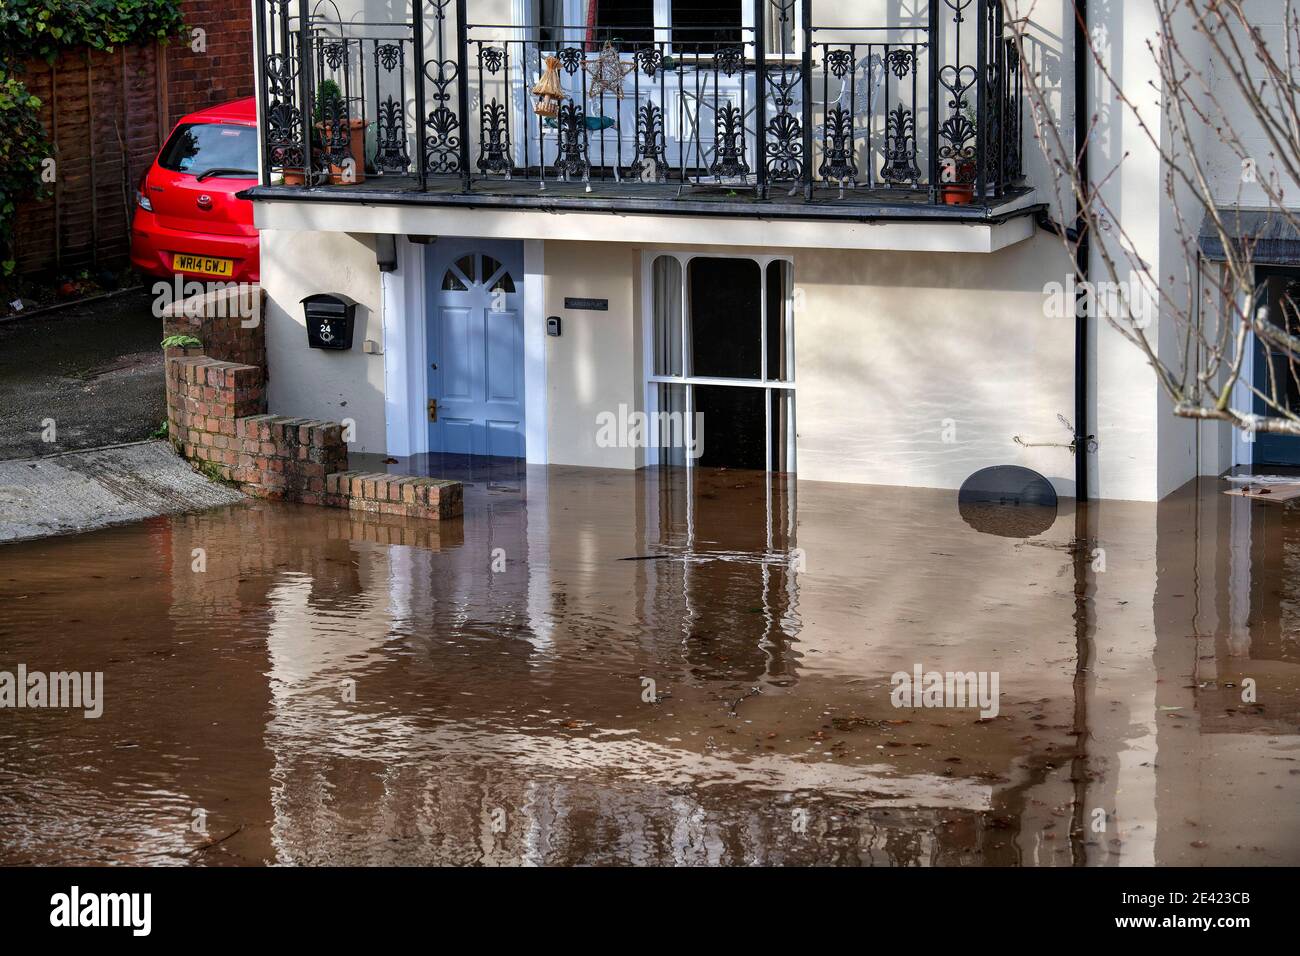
(338,688)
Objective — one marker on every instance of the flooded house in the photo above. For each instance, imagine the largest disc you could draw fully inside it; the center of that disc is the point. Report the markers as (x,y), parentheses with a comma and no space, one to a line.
(710,307)
(808,237)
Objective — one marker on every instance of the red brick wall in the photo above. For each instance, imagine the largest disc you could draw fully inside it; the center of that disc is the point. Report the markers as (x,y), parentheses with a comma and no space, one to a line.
(229,324)
(216,414)
(224,72)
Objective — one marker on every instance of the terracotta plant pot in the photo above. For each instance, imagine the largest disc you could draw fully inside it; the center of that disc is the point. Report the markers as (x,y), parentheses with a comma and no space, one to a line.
(957,194)
(357,147)
(293,177)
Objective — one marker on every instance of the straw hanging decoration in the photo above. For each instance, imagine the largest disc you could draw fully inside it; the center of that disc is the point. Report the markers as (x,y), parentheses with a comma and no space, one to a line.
(548,90)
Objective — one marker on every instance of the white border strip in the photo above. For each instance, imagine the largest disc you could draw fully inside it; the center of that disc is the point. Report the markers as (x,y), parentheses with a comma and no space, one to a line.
(535,420)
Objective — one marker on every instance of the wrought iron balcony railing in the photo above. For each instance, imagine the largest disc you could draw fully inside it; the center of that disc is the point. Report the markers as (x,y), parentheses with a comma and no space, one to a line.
(928,112)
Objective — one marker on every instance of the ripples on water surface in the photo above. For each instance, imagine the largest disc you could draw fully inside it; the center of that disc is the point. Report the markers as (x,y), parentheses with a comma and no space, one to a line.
(499,714)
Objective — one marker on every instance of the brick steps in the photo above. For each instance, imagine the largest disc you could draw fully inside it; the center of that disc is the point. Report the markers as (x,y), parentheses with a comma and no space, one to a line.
(216,413)
(289,458)
(412,497)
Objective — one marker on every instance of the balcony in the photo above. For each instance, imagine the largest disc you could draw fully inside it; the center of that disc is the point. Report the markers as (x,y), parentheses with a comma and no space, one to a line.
(797,118)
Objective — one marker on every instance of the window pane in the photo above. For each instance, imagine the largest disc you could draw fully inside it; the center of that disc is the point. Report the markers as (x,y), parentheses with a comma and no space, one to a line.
(780,28)
(451,282)
(200,147)
(707,24)
(667,292)
(780,291)
(670,435)
(725,318)
(623,21)
(1289,308)
(733,419)
(781,423)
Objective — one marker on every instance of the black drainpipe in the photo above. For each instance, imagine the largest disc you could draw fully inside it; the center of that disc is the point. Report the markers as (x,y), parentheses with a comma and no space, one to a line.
(1084,590)
(1083,250)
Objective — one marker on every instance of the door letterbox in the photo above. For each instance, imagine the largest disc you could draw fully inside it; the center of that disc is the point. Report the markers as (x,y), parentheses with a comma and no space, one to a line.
(329,321)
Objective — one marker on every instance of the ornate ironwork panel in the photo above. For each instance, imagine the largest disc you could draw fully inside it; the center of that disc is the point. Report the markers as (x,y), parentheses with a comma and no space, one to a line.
(392,154)
(572,158)
(442,131)
(900,149)
(729,140)
(494,138)
(651,146)
(958,83)
(785,159)
(838,160)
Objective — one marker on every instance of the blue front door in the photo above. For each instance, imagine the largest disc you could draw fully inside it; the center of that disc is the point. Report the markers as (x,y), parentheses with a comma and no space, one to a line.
(476,348)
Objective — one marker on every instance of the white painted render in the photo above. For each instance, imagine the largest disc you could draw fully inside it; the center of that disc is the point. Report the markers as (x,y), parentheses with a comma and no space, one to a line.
(311,383)
(890,348)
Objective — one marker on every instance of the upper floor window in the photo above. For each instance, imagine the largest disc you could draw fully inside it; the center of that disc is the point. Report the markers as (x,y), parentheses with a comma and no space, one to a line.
(693,24)
(706,24)
(623,21)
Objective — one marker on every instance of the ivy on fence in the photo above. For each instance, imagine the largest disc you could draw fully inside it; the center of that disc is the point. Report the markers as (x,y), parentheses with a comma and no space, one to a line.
(42,29)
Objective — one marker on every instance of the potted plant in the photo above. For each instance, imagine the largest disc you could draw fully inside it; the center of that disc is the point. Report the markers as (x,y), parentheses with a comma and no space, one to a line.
(294,176)
(957,176)
(330,115)
(957,182)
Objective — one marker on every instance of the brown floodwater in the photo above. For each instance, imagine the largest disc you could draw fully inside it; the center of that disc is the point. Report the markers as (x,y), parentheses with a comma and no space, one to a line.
(334,689)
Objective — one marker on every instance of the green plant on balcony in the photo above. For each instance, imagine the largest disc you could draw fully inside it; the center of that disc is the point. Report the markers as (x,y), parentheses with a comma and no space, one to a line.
(342,138)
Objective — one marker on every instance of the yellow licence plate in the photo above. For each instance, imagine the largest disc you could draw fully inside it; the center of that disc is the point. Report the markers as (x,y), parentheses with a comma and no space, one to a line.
(204,264)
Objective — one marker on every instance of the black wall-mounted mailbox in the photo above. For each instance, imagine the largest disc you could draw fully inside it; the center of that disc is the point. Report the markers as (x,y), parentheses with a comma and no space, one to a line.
(330,319)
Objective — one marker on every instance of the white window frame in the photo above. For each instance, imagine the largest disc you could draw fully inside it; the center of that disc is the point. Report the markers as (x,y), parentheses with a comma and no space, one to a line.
(653,381)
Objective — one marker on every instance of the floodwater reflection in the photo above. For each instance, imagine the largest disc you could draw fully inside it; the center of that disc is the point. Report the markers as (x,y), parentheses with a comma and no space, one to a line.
(651,667)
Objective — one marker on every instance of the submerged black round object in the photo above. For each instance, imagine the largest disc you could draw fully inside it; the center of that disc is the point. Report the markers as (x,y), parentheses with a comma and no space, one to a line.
(1008,501)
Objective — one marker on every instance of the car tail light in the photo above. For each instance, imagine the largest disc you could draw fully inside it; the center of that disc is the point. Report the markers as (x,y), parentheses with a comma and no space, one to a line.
(141,199)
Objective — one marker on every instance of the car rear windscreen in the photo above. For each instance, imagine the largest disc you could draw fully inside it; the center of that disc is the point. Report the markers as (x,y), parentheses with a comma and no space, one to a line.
(198,147)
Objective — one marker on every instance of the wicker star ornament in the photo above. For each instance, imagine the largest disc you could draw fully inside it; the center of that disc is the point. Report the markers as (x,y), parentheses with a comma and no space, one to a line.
(607,72)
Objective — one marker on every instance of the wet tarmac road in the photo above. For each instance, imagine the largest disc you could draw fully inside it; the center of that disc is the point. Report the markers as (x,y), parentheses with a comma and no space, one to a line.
(637,668)
(95,369)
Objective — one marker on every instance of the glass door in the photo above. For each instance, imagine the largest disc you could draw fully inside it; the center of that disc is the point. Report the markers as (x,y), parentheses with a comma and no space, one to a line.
(720,388)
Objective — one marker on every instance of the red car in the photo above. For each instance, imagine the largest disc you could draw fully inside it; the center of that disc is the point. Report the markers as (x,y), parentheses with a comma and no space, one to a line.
(187,220)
